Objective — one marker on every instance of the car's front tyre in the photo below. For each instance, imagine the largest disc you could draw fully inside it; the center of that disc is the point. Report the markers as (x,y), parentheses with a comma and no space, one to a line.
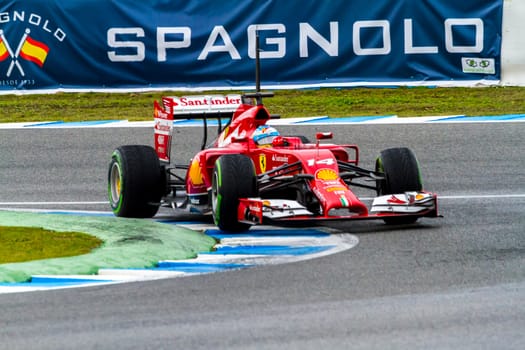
(402,174)
(233,178)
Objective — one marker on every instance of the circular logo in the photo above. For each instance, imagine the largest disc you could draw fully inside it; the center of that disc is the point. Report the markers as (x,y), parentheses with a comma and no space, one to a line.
(326,174)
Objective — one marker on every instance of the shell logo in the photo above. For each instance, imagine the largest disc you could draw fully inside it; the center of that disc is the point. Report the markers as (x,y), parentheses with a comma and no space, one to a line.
(326,174)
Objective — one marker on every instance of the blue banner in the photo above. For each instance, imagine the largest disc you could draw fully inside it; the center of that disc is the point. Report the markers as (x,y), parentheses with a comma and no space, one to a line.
(156,44)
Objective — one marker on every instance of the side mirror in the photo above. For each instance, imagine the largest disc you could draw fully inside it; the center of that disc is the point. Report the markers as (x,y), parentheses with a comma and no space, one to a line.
(324,136)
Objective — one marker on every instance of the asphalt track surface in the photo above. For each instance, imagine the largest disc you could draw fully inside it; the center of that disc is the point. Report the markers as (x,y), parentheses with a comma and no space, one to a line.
(450,283)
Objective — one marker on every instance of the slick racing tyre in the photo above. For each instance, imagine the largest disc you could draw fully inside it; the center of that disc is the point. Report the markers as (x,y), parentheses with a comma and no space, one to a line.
(233,178)
(135,182)
(402,174)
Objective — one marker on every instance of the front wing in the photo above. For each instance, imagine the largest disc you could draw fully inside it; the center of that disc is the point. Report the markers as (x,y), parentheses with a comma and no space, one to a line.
(414,204)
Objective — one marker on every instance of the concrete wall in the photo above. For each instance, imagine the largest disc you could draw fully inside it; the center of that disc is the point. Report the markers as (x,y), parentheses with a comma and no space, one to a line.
(513,45)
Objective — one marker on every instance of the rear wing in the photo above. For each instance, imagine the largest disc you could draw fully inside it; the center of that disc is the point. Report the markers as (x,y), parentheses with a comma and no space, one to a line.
(189,107)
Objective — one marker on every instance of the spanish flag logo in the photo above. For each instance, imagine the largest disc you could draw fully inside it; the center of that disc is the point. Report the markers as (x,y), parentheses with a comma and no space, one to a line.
(34,51)
(4,53)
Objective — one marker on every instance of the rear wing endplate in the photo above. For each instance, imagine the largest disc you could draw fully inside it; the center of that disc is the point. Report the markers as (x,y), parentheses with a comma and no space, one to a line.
(188,107)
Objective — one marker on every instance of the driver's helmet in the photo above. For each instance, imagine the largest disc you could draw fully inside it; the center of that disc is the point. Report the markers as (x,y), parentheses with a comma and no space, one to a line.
(264,135)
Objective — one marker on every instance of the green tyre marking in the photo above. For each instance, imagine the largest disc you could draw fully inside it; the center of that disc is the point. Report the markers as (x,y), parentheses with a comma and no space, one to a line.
(219,172)
(117,156)
(419,175)
(219,196)
(218,209)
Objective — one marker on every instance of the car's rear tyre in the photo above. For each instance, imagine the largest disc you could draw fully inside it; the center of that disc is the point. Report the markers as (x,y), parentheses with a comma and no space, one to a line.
(135,182)
(233,178)
(402,174)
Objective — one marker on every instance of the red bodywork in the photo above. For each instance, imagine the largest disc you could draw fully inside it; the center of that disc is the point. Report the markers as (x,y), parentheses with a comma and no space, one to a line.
(318,161)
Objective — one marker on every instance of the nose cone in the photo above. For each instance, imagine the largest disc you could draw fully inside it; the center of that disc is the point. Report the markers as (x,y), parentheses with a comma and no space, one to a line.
(334,194)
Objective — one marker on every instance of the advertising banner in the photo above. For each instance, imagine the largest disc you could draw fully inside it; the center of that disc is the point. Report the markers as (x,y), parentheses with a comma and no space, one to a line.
(209,44)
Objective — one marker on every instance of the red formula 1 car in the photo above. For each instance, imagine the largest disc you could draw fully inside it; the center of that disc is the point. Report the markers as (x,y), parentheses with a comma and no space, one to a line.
(251,174)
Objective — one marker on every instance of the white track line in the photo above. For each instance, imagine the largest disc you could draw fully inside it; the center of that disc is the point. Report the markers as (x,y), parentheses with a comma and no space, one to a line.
(460,196)
(483,196)
(469,196)
(54,203)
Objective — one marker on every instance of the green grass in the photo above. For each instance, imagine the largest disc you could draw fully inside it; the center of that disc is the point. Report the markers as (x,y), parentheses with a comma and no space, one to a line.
(19,244)
(404,102)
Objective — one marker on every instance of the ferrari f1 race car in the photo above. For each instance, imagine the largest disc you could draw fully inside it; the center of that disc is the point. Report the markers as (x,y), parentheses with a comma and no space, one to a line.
(251,174)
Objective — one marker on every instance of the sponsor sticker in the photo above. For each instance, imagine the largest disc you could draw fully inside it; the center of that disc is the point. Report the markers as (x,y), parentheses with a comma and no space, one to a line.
(326,174)
(277,158)
(216,103)
(478,65)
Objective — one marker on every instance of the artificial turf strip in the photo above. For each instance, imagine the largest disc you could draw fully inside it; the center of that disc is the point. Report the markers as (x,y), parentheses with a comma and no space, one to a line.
(128,243)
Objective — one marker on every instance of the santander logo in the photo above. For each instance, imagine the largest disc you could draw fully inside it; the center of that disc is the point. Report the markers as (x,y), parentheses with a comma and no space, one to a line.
(207,101)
